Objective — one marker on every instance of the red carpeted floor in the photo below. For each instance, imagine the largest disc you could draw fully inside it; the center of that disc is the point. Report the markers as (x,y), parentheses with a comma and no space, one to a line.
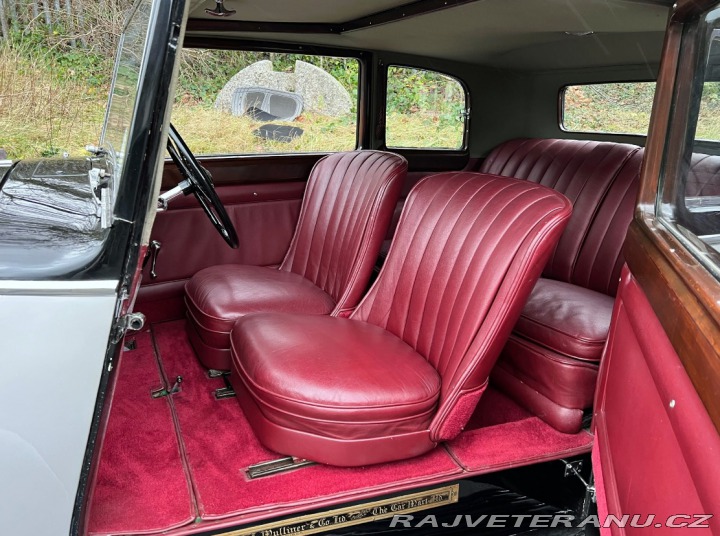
(501,434)
(142,485)
(220,445)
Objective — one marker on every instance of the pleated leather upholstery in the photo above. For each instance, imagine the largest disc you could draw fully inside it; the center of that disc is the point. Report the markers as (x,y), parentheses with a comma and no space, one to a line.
(601,181)
(347,209)
(466,255)
(406,369)
(551,362)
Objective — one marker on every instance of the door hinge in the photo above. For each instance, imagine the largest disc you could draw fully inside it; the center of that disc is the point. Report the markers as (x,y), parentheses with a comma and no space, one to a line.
(573,468)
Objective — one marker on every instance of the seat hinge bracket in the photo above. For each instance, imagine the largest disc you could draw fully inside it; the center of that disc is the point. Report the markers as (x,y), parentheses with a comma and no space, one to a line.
(273,467)
(573,468)
(224,392)
(163,391)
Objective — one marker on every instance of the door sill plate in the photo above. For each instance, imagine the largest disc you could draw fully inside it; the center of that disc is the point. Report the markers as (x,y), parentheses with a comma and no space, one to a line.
(354,515)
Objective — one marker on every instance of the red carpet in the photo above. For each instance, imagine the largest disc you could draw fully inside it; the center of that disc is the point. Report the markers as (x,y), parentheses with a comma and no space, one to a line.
(220,445)
(141,484)
(501,434)
(495,408)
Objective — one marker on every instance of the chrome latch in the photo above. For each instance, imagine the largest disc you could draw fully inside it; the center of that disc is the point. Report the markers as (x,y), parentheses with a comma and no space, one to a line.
(128,322)
(132,322)
(220,10)
(154,252)
(273,467)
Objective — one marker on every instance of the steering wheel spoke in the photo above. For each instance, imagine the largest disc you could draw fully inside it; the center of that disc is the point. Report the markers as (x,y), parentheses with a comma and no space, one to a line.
(198,181)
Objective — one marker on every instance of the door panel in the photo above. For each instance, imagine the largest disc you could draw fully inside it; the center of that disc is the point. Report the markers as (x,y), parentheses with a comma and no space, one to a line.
(264,216)
(262,195)
(656,447)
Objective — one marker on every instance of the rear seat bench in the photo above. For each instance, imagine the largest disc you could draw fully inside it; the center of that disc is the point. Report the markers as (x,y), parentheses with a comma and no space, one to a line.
(550,363)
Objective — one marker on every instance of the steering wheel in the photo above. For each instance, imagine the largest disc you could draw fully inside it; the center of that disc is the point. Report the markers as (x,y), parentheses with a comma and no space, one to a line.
(198,181)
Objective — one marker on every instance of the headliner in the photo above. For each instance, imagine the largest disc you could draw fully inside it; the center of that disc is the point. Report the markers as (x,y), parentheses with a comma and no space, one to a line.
(515,34)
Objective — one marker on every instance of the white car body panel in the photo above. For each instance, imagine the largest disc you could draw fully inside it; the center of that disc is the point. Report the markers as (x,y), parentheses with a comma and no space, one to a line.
(55,335)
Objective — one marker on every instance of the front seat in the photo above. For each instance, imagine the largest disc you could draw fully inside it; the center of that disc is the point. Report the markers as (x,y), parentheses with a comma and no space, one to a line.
(407,368)
(345,214)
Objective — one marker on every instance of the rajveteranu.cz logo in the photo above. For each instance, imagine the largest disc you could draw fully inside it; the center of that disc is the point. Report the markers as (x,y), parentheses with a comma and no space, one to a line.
(694,521)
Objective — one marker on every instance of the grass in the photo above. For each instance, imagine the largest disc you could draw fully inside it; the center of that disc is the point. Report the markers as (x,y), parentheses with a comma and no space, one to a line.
(425,131)
(44,114)
(209,131)
(40,115)
(46,111)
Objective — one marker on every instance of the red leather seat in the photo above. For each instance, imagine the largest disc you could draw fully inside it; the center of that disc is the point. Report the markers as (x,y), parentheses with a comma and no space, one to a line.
(550,363)
(568,318)
(407,368)
(346,211)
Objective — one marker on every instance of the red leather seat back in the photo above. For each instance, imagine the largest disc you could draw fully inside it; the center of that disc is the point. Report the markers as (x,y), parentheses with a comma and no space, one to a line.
(601,181)
(345,214)
(468,250)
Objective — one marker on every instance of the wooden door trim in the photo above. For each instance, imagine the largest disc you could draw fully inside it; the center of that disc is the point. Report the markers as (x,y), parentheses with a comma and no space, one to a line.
(683,293)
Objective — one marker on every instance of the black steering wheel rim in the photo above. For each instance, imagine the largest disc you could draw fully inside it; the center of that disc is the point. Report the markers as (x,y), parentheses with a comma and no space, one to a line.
(200,183)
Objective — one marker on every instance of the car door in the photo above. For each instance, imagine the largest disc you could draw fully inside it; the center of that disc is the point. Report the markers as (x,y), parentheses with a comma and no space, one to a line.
(67,282)
(656,457)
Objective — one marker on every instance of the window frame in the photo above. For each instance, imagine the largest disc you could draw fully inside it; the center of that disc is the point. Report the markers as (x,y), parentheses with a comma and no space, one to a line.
(364,65)
(561,108)
(467,113)
(684,294)
(681,141)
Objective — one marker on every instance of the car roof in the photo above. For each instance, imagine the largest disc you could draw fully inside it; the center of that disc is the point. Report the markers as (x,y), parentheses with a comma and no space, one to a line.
(524,35)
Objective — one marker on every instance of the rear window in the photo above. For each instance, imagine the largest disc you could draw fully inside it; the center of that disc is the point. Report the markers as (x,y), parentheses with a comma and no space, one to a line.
(425,110)
(615,108)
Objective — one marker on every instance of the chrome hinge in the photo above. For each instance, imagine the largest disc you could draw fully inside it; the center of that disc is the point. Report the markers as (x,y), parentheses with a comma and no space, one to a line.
(128,322)
(101,183)
(573,468)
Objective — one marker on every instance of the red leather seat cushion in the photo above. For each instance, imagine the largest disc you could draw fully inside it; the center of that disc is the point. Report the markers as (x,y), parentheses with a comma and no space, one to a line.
(341,378)
(567,319)
(217,296)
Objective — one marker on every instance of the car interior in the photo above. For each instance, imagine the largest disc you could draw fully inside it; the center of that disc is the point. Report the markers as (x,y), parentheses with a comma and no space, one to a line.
(391,316)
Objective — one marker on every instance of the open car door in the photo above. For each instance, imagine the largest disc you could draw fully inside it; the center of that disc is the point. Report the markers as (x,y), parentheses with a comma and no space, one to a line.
(656,457)
(71,253)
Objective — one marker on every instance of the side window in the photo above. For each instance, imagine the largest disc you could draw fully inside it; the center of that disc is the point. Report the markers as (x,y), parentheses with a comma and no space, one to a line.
(425,110)
(241,102)
(689,197)
(614,108)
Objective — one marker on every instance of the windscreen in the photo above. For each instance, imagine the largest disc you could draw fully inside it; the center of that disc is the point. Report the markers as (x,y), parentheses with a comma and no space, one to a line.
(124,89)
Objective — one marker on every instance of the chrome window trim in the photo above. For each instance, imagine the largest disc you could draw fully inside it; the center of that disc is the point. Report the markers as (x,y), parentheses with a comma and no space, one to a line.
(59,288)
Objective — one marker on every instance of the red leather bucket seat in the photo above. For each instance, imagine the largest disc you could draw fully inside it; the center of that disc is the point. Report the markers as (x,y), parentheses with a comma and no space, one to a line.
(345,215)
(407,368)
